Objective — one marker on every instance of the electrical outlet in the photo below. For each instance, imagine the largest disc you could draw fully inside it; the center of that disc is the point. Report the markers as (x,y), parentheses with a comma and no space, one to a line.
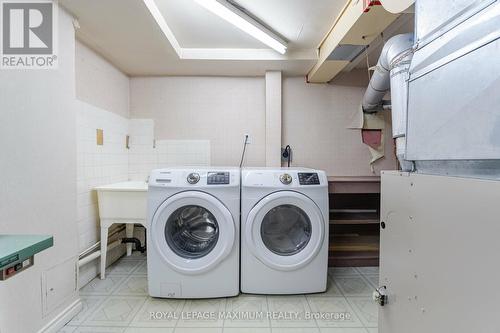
(249,140)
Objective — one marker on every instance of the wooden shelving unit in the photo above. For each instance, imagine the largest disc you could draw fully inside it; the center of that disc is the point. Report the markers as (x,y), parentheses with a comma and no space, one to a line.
(354,221)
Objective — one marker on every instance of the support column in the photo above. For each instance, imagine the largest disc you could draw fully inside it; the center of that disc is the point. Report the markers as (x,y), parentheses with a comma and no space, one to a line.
(273,118)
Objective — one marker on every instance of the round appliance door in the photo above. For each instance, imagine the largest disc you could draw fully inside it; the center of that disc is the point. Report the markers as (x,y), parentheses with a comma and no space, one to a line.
(193,232)
(285,230)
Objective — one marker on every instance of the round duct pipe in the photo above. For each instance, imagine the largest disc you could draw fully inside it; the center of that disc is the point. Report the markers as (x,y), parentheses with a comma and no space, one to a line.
(396,48)
(392,72)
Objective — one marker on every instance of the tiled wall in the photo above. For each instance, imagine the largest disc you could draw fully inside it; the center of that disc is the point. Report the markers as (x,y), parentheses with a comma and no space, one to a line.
(97,165)
(183,152)
(142,157)
(112,162)
(147,154)
(102,93)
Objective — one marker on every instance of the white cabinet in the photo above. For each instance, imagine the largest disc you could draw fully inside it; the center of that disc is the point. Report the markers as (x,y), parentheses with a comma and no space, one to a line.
(439,253)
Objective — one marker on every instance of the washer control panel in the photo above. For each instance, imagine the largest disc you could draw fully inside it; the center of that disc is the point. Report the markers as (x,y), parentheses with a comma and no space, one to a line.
(309,178)
(218,178)
(194,177)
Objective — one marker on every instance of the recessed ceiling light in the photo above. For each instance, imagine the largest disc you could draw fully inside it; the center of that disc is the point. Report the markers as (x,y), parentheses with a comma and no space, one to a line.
(241,20)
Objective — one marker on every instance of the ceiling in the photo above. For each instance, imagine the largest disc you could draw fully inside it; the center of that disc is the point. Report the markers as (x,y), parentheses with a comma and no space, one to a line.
(125,32)
(404,24)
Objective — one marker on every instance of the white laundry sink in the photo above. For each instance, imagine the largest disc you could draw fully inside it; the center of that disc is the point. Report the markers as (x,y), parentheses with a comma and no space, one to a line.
(123,201)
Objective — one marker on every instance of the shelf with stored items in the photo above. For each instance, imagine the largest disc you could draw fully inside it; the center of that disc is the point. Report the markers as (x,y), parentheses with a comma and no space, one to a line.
(354,221)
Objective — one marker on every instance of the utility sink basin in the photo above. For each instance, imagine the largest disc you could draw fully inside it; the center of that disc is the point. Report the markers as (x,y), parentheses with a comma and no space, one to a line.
(123,201)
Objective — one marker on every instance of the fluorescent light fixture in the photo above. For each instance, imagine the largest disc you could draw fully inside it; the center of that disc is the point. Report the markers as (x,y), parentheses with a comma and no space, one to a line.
(239,19)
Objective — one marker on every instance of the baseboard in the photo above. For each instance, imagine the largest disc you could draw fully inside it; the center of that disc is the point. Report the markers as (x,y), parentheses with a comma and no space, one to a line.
(61,319)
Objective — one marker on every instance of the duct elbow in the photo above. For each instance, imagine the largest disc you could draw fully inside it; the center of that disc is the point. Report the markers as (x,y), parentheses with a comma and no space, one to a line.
(396,50)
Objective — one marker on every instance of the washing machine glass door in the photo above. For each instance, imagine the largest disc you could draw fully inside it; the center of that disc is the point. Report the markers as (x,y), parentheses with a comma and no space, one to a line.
(285,230)
(193,232)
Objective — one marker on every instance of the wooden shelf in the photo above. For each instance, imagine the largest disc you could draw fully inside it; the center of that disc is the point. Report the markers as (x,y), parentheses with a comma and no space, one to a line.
(358,259)
(354,179)
(355,221)
(354,218)
(354,250)
(368,184)
(354,243)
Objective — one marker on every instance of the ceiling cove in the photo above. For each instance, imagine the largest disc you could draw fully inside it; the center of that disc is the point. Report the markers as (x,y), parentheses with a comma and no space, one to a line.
(278,51)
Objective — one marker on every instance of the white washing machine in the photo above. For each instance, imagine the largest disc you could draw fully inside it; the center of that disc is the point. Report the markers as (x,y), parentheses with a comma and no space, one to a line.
(193,232)
(284,231)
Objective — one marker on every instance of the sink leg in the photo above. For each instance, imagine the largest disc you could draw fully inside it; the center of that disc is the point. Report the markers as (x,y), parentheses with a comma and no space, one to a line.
(104,251)
(129,231)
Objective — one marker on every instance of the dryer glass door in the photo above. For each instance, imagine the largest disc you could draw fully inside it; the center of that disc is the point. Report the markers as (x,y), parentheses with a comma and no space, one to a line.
(193,232)
(285,230)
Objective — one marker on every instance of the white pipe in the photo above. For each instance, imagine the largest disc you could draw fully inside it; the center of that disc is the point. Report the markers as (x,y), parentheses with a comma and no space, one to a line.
(97,254)
(98,244)
(396,48)
(90,249)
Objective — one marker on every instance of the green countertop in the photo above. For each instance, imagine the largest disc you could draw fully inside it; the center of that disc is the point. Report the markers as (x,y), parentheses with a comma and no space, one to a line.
(16,248)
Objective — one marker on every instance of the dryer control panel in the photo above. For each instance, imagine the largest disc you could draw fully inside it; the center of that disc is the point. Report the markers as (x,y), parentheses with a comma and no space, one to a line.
(308,178)
(284,178)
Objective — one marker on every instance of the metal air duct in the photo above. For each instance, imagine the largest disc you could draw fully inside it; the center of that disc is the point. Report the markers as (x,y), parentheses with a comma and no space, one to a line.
(391,72)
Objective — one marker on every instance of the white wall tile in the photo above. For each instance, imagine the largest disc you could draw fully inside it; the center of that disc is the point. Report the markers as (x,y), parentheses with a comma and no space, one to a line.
(97,165)
(146,153)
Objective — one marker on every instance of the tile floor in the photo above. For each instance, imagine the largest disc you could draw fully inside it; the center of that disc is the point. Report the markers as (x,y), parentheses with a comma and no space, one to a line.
(121,304)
